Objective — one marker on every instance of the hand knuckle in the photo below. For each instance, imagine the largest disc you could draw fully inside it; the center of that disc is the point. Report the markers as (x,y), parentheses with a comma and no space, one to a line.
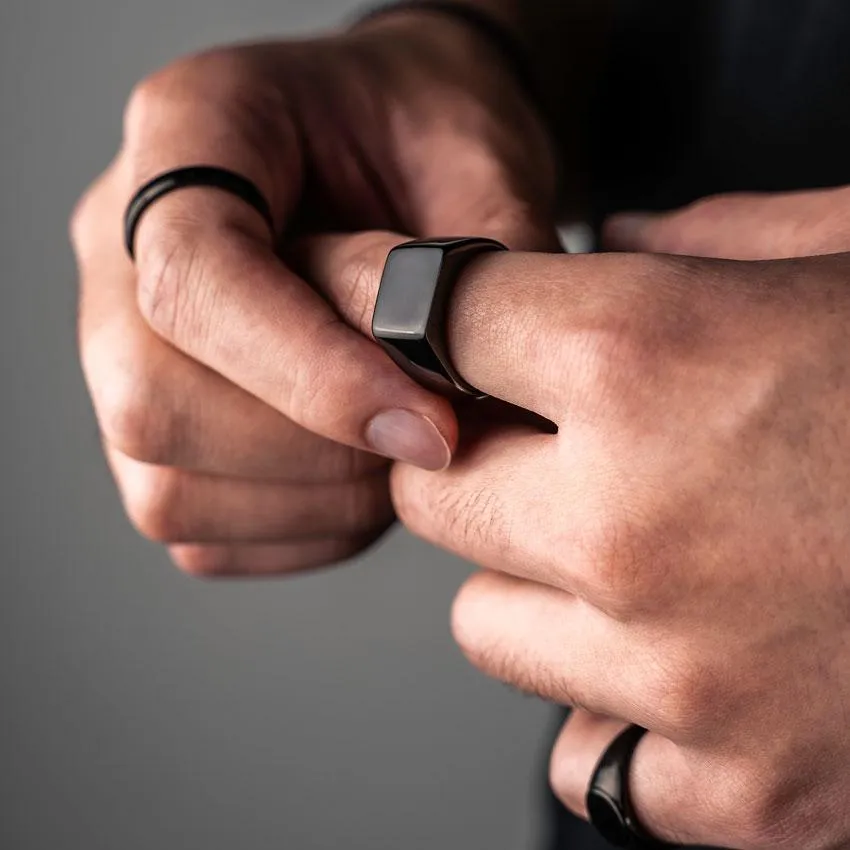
(761,810)
(619,568)
(687,693)
(148,96)
(616,354)
(128,393)
(628,545)
(135,428)
(144,100)
(155,503)
(610,363)
(222,82)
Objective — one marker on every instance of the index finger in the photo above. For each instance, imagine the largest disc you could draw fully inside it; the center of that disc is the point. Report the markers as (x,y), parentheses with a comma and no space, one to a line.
(514,324)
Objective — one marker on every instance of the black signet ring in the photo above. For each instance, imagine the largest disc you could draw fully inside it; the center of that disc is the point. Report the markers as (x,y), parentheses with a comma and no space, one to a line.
(410,311)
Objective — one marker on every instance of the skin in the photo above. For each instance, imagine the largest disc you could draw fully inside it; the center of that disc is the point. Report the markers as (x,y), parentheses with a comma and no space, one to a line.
(677,554)
(238,410)
(674,556)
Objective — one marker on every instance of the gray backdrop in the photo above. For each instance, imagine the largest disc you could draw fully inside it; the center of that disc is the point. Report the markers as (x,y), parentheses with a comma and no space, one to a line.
(143,709)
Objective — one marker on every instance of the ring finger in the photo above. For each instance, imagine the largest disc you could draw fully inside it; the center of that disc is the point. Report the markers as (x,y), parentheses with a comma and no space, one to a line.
(672,791)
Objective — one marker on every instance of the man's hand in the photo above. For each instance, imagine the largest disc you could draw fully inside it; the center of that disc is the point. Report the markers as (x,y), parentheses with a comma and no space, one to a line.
(678,555)
(241,416)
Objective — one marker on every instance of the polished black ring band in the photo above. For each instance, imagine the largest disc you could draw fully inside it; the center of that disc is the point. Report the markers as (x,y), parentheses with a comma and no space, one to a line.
(207,176)
(609,805)
(410,311)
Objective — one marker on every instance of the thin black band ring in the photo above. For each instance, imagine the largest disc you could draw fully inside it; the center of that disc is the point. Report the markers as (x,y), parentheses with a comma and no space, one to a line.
(609,805)
(192,176)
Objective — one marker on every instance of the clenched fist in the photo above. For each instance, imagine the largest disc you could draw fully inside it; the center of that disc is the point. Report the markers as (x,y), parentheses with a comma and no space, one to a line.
(247,422)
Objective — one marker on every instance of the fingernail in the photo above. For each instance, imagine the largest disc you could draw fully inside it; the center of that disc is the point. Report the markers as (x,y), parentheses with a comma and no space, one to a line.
(625,229)
(410,438)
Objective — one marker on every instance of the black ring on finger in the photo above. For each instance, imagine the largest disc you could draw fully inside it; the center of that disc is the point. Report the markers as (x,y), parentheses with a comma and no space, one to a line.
(609,805)
(410,311)
(193,176)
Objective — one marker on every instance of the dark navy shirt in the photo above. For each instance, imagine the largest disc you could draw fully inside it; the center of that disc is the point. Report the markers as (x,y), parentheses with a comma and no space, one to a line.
(707,96)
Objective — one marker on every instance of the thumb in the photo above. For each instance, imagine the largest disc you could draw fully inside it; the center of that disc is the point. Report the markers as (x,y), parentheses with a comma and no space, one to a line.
(740,227)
